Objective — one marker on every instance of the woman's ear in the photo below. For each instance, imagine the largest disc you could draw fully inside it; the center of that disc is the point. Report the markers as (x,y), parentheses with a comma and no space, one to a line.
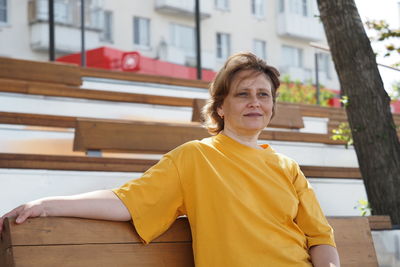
(220,112)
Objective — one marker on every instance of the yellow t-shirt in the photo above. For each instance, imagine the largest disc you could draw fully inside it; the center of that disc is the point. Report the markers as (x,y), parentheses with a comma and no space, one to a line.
(246,206)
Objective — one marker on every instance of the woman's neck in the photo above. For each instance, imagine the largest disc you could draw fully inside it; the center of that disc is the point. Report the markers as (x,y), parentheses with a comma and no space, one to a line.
(245,139)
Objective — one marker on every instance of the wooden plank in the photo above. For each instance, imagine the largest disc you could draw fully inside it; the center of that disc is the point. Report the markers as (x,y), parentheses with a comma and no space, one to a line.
(55,240)
(326,172)
(89,255)
(6,252)
(379,222)
(135,136)
(286,116)
(37,119)
(354,241)
(145,136)
(57,90)
(198,105)
(28,70)
(78,163)
(299,137)
(51,241)
(63,231)
(137,77)
(54,162)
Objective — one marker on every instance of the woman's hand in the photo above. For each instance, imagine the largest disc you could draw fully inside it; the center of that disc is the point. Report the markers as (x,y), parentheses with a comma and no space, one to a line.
(31,209)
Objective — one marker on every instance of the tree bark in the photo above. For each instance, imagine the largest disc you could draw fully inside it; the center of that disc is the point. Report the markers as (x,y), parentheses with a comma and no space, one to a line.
(368,110)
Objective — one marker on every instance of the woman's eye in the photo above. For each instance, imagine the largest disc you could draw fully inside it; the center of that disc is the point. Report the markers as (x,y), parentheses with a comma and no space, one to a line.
(263,94)
(242,94)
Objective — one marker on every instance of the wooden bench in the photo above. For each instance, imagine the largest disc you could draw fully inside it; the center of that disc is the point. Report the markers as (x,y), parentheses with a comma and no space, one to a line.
(49,242)
(48,72)
(92,134)
(83,163)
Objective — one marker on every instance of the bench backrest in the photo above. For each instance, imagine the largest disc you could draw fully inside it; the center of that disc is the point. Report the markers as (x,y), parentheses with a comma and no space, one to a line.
(154,137)
(28,70)
(82,242)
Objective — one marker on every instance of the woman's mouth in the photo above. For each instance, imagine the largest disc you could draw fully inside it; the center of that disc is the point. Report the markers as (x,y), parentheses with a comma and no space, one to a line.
(253,114)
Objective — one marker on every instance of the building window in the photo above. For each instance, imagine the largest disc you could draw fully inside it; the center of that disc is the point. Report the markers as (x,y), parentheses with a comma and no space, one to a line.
(324,60)
(258,8)
(223,45)
(259,48)
(61,11)
(299,7)
(182,37)
(281,6)
(69,12)
(222,4)
(107,34)
(3,12)
(305,8)
(141,31)
(292,56)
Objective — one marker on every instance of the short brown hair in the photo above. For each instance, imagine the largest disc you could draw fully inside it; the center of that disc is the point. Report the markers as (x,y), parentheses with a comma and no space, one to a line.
(220,86)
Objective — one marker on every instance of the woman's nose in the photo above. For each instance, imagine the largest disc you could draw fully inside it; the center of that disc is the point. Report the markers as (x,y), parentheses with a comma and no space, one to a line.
(254,101)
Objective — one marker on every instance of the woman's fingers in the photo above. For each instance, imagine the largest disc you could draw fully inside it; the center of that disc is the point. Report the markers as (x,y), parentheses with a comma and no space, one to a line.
(13,213)
(25,214)
(22,213)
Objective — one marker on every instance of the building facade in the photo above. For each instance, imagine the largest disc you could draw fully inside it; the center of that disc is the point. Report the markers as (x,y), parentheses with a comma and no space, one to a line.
(279,31)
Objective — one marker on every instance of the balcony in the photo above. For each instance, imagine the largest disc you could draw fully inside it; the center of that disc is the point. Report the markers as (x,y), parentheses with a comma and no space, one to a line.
(297,73)
(184,8)
(67,25)
(177,55)
(68,39)
(298,26)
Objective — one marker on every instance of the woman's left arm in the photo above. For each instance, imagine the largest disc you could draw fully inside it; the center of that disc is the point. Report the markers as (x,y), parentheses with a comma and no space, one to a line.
(324,256)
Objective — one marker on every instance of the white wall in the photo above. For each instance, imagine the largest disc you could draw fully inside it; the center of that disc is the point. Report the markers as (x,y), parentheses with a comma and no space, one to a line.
(19,186)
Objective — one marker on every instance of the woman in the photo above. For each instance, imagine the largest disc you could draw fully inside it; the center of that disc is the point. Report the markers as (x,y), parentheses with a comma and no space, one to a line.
(247,205)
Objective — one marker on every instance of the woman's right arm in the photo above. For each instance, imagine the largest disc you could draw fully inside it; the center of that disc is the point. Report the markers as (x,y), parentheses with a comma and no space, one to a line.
(102,204)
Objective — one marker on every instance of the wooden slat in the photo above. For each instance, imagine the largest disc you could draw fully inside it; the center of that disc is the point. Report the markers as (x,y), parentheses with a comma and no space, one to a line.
(136,77)
(81,242)
(39,71)
(57,90)
(315,110)
(136,136)
(354,241)
(286,116)
(299,137)
(379,222)
(51,241)
(198,105)
(52,230)
(151,137)
(37,119)
(53,162)
(129,255)
(78,163)
(326,172)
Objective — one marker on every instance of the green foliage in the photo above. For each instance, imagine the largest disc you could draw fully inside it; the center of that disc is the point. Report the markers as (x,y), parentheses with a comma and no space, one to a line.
(343,133)
(395,94)
(364,207)
(384,33)
(345,100)
(297,92)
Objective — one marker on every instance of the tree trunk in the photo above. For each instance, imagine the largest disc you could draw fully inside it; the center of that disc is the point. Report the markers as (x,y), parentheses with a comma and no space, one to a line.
(368,110)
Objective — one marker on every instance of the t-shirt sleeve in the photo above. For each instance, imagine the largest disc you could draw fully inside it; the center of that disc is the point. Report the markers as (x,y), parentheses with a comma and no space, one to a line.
(155,200)
(310,217)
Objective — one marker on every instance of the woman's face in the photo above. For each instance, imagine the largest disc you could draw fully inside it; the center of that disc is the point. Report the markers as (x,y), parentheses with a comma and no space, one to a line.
(247,109)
